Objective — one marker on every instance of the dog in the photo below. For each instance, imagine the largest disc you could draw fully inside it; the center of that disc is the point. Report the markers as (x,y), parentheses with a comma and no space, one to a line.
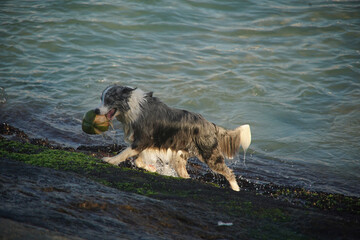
(157,131)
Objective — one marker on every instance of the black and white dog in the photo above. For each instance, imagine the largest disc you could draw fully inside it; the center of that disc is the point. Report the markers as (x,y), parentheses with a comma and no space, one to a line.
(155,130)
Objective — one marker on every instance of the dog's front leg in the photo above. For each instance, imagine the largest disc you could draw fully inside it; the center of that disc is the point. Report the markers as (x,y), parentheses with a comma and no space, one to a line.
(121,157)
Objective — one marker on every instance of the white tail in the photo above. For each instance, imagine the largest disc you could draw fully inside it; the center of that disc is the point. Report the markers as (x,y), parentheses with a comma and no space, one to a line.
(231,140)
(245,138)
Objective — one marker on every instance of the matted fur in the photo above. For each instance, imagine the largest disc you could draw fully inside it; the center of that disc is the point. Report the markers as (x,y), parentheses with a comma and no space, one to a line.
(156,130)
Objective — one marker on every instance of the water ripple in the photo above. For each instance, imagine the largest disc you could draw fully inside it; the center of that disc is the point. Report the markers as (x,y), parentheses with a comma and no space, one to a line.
(290,70)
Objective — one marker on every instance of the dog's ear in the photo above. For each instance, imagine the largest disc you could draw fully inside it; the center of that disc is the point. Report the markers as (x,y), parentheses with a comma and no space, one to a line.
(124,90)
(149,94)
(128,89)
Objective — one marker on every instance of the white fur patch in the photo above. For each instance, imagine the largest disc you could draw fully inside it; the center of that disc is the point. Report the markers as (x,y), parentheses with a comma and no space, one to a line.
(136,99)
(104,110)
(161,160)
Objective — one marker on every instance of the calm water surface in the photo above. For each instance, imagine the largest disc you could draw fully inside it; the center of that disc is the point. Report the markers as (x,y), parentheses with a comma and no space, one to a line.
(290,70)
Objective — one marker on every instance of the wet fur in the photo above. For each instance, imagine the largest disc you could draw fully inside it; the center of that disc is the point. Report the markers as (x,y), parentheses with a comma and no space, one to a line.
(154,129)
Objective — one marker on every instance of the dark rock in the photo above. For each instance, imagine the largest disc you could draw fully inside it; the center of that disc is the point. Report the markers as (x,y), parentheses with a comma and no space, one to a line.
(68,205)
(75,206)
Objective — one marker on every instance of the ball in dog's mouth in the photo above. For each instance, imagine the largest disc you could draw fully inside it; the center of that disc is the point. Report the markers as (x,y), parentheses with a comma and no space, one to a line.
(110,115)
(94,123)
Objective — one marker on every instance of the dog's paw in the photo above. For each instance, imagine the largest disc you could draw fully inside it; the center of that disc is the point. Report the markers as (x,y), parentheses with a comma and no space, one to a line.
(150,168)
(108,160)
(234,186)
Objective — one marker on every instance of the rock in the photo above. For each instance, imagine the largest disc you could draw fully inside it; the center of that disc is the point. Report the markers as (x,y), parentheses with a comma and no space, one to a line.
(125,203)
(12,230)
(75,206)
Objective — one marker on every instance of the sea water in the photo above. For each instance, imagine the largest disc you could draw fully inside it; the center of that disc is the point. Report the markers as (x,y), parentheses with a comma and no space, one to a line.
(290,69)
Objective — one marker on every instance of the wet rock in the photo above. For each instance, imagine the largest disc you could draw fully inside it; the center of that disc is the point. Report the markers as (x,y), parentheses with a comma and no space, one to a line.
(12,230)
(6,129)
(75,206)
(125,202)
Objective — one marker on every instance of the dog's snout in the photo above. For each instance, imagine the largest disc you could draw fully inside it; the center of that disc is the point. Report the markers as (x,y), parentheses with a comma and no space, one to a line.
(97,111)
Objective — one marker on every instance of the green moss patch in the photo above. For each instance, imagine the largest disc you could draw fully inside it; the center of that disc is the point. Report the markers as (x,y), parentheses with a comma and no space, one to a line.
(321,200)
(44,157)
(126,179)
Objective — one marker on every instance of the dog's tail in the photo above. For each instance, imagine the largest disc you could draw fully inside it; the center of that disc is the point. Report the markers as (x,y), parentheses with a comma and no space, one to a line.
(231,140)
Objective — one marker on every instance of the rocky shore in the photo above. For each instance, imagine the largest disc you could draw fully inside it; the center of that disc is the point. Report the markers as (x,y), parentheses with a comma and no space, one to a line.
(64,193)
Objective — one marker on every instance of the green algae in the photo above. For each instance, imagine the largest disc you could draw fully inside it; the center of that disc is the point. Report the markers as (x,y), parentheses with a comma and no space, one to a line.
(257,218)
(130,180)
(138,181)
(320,200)
(247,208)
(152,184)
(44,157)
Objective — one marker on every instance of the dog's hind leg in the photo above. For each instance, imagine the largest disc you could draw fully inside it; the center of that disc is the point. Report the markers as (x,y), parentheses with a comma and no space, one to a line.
(121,157)
(179,162)
(217,164)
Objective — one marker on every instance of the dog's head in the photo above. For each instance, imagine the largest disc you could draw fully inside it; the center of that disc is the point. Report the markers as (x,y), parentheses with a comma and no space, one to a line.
(115,101)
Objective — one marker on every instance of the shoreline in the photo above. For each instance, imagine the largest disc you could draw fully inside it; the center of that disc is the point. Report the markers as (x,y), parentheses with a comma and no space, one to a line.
(194,169)
(269,209)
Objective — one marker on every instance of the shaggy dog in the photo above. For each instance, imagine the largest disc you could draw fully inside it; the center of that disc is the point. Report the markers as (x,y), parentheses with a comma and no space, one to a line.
(157,131)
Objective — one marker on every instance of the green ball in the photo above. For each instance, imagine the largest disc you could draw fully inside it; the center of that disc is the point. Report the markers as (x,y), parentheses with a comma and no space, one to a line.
(94,124)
